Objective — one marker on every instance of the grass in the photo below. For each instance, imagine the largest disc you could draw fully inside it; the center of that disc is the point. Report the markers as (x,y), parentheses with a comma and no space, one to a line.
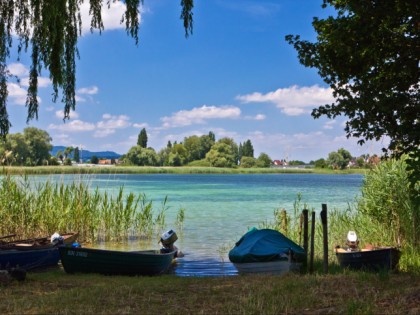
(54,292)
(38,170)
(369,231)
(48,207)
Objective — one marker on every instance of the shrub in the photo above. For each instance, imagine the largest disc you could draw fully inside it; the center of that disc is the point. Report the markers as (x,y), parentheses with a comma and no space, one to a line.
(387,198)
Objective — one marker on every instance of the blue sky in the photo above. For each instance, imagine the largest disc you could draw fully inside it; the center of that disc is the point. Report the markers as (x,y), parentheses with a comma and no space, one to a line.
(235,76)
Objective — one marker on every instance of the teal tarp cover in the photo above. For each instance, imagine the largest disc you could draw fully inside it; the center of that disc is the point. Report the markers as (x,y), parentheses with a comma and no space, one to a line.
(263,245)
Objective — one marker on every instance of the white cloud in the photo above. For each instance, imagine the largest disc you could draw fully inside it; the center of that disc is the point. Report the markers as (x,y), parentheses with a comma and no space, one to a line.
(114,122)
(42,82)
(330,124)
(79,99)
(88,90)
(60,114)
(22,72)
(141,125)
(256,117)
(199,115)
(62,139)
(102,133)
(16,94)
(294,100)
(73,126)
(49,108)
(111,17)
(18,69)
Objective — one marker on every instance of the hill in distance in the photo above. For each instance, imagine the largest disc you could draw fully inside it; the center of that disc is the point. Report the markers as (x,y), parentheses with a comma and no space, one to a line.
(86,154)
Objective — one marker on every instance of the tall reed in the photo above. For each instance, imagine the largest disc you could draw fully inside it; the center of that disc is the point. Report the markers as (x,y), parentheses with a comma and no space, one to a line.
(44,208)
(340,221)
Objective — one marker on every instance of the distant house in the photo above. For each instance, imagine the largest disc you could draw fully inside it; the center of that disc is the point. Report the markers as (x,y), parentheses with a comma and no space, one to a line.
(280,163)
(107,161)
(277,162)
(352,163)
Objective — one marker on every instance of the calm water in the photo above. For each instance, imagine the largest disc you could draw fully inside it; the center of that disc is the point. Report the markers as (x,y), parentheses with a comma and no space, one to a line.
(220,208)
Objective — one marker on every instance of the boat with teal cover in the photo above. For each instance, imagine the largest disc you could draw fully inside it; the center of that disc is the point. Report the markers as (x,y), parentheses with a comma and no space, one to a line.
(266,250)
(112,262)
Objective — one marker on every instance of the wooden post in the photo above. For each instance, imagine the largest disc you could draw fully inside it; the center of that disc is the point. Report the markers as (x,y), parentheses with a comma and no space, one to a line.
(305,237)
(300,228)
(283,216)
(311,259)
(325,235)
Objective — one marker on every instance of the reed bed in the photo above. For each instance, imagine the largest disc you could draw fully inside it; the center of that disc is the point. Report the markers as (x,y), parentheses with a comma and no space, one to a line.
(166,170)
(44,208)
(339,223)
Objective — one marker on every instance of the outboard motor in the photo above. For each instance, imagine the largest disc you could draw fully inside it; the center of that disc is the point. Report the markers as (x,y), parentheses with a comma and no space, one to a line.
(352,241)
(57,239)
(168,240)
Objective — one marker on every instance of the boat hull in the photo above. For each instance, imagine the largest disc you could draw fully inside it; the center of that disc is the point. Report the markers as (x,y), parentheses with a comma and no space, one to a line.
(374,260)
(108,262)
(29,259)
(38,243)
(279,267)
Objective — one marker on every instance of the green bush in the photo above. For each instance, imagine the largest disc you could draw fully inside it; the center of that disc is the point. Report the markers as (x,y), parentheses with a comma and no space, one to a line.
(387,198)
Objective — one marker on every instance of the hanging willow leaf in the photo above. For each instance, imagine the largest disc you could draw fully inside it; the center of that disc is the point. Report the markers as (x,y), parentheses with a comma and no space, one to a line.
(50,30)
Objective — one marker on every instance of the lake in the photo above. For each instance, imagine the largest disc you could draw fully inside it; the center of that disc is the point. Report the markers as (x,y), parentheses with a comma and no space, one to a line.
(220,208)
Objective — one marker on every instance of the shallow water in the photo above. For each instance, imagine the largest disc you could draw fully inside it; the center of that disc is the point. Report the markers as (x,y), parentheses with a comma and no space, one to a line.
(220,208)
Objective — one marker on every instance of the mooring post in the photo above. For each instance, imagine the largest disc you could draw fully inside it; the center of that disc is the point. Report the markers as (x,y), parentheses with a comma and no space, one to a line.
(300,228)
(311,259)
(284,223)
(325,235)
(305,238)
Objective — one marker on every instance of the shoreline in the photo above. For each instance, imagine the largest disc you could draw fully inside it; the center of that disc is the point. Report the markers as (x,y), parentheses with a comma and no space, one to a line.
(47,170)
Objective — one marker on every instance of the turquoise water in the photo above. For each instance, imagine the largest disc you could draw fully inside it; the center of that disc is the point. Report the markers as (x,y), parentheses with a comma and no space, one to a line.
(220,208)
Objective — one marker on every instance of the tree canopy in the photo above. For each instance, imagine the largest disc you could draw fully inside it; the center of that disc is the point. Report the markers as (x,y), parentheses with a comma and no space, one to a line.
(142,138)
(369,55)
(30,148)
(50,29)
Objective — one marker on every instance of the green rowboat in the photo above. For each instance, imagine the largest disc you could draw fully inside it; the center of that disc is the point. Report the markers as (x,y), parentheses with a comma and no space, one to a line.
(111,262)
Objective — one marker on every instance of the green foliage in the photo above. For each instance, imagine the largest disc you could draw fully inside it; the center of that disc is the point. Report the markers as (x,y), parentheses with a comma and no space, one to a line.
(223,153)
(68,151)
(142,138)
(67,162)
(263,160)
(388,198)
(199,163)
(197,147)
(246,149)
(368,53)
(180,217)
(339,159)
(178,155)
(53,161)
(51,30)
(193,146)
(296,162)
(46,208)
(175,159)
(340,221)
(140,156)
(76,155)
(320,163)
(30,148)
(248,162)
(94,159)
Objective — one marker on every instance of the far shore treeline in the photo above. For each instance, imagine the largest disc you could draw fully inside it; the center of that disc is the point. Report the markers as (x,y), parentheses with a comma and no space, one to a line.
(33,148)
